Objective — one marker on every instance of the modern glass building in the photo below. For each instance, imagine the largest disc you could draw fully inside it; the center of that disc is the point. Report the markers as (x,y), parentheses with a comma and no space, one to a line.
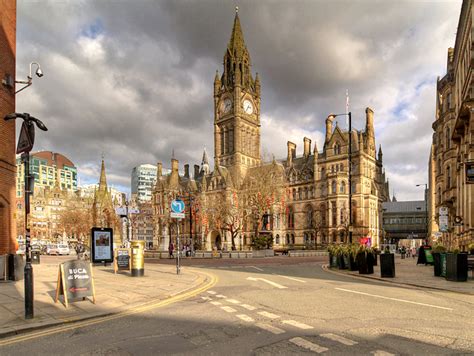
(143,181)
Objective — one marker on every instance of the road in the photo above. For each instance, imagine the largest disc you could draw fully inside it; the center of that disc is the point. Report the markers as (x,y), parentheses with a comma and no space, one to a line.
(278,306)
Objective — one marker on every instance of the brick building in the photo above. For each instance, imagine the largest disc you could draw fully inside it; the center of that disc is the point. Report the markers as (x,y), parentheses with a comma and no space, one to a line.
(7,129)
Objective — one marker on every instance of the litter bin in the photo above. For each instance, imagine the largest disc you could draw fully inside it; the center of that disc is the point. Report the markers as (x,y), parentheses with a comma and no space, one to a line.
(35,257)
(16,267)
(138,258)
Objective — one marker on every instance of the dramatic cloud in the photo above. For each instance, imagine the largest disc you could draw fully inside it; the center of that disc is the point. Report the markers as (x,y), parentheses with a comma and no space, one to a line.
(134,80)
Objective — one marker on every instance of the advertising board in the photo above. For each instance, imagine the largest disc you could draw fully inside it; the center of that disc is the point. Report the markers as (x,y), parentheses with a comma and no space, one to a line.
(102,240)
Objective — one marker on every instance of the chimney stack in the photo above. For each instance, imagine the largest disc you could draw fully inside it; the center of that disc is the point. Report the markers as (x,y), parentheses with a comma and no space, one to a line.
(159,170)
(196,171)
(291,152)
(329,121)
(307,147)
(174,165)
(186,171)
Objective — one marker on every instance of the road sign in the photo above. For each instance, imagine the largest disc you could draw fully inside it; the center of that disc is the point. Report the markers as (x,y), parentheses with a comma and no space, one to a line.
(133,211)
(177,209)
(121,211)
(26,139)
(443,210)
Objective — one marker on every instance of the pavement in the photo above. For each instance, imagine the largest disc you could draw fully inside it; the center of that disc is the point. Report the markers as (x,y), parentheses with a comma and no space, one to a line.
(115,293)
(407,272)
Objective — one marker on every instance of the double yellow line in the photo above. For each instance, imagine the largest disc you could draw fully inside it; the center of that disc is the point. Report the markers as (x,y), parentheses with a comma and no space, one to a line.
(211,281)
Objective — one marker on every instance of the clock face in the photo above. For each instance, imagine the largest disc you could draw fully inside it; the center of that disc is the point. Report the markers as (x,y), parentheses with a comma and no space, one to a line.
(248,107)
(226,105)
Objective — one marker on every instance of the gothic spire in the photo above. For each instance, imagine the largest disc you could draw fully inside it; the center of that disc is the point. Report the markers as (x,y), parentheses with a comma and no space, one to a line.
(103,179)
(237,44)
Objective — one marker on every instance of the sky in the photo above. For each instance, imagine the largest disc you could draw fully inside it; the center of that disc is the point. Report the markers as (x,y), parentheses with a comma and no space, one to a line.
(133,80)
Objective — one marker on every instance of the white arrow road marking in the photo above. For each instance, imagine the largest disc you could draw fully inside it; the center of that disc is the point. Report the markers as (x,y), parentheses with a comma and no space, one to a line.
(297,325)
(233,301)
(381,353)
(292,278)
(396,299)
(211,292)
(299,341)
(270,328)
(248,307)
(267,281)
(216,303)
(268,315)
(245,318)
(228,309)
(340,339)
(221,296)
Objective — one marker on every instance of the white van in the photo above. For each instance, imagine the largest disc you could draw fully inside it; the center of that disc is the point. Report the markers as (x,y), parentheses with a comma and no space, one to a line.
(63,249)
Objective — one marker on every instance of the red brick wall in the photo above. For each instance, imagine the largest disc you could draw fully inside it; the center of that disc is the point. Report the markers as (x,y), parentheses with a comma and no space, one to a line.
(7,129)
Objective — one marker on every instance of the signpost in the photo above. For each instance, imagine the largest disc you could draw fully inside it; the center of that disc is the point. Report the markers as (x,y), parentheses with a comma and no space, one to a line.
(177,212)
(75,280)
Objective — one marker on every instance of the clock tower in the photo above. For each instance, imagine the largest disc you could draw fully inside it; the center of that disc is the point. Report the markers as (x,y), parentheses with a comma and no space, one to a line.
(237,109)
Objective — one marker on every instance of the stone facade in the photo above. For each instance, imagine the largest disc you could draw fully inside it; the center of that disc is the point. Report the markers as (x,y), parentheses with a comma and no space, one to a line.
(309,206)
(7,129)
(452,152)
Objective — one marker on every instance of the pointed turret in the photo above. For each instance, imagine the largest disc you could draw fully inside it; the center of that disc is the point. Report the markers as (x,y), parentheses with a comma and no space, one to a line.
(257,83)
(380,154)
(237,44)
(205,163)
(217,83)
(103,179)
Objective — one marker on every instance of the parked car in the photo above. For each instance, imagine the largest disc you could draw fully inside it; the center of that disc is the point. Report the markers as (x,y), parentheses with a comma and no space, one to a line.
(63,249)
(52,250)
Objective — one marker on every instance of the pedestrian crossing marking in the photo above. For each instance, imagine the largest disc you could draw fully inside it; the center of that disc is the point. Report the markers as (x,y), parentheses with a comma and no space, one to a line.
(216,303)
(270,328)
(233,301)
(206,298)
(211,292)
(297,325)
(248,307)
(299,341)
(228,309)
(245,318)
(381,353)
(221,296)
(340,339)
(269,315)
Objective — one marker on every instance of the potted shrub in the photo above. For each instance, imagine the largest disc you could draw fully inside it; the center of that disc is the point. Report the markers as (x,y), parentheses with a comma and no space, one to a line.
(332,256)
(340,252)
(375,252)
(353,251)
(470,248)
(387,264)
(436,252)
(456,266)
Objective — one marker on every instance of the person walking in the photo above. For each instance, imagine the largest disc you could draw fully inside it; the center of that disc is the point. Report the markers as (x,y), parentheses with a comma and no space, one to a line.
(170,250)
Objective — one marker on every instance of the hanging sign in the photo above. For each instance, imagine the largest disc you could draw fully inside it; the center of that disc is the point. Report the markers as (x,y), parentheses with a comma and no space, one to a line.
(75,280)
(26,139)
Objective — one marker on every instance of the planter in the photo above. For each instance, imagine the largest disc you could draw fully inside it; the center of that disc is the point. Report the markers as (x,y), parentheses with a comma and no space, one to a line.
(375,258)
(366,263)
(387,265)
(456,267)
(333,261)
(437,263)
(443,265)
(341,262)
(353,263)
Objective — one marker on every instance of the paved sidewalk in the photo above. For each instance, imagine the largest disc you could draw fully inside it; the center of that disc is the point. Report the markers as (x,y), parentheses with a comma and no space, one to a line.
(114,293)
(407,272)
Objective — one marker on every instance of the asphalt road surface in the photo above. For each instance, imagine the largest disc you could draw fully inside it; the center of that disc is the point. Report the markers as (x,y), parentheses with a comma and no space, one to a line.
(278,306)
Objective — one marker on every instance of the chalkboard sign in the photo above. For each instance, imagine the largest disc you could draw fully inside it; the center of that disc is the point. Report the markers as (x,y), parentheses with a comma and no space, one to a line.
(122,259)
(75,280)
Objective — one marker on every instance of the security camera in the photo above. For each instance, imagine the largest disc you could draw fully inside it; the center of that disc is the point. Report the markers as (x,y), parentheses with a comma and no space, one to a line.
(39,72)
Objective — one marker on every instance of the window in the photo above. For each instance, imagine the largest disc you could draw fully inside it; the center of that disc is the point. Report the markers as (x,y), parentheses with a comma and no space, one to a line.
(334,187)
(309,216)
(448,138)
(342,188)
(334,214)
(448,177)
(291,217)
(337,148)
(277,239)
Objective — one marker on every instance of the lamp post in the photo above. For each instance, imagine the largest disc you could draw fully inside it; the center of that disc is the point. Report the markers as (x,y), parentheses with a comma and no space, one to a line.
(25,145)
(426,207)
(349,158)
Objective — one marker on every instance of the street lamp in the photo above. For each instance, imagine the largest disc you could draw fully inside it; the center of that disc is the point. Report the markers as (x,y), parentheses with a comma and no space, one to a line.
(25,145)
(426,207)
(349,158)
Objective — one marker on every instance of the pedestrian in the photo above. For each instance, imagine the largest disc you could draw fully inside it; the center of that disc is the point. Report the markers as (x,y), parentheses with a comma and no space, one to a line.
(403,251)
(170,250)
(413,252)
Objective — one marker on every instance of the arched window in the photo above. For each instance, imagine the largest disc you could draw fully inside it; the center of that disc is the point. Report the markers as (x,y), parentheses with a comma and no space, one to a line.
(291,218)
(277,239)
(334,187)
(334,214)
(334,237)
(342,187)
(439,195)
(309,216)
(287,239)
(337,148)
(448,177)
(305,238)
(294,194)
(322,212)
(439,166)
(448,138)
(293,239)
(341,236)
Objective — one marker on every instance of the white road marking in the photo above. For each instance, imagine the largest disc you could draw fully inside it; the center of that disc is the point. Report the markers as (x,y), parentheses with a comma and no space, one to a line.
(206,298)
(297,325)
(229,309)
(279,286)
(270,328)
(299,341)
(221,296)
(211,292)
(396,299)
(258,269)
(245,318)
(248,307)
(340,339)
(268,315)
(216,303)
(233,301)
(292,278)
(381,353)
